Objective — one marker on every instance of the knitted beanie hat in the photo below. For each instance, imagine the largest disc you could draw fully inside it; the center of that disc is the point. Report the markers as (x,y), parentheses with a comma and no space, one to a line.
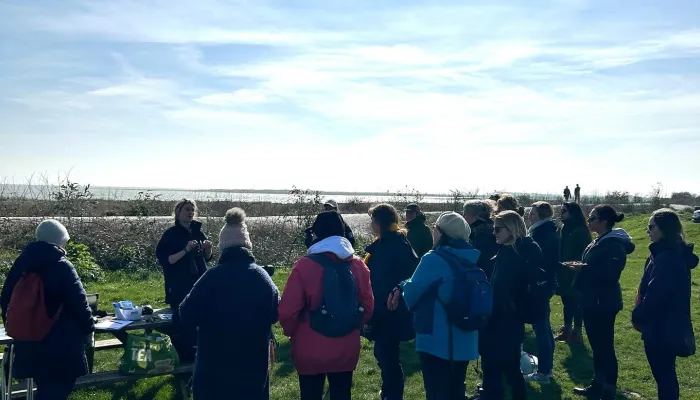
(454,226)
(327,224)
(235,232)
(53,232)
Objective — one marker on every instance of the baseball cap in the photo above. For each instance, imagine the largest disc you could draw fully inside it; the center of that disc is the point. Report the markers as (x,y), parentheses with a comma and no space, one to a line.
(331,203)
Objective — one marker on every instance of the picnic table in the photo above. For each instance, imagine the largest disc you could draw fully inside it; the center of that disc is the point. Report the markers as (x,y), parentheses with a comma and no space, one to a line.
(159,320)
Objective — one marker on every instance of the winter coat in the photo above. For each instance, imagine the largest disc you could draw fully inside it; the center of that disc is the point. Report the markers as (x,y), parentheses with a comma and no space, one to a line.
(181,276)
(434,278)
(419,235)
(599,279)
(391,260)
(483,239)
(61,355)
(663,311)
(234,305)
(312,353)
(509,283)
(573,241)
(544,233)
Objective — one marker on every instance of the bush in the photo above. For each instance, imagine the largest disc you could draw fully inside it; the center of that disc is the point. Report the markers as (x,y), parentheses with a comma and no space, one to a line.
(79,255)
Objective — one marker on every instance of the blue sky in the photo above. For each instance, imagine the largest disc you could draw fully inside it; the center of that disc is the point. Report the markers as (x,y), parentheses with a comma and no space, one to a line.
(353,95)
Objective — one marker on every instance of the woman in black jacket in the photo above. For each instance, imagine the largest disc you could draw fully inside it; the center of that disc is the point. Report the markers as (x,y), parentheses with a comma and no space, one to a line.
(478,213)
(500,340)
(391,260)
(575,237)
(544,232)
(183,252)
(662,312)
(598,279)
(59,358)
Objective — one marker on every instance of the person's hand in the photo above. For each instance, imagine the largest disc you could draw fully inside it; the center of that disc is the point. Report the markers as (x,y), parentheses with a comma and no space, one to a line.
(392,302)
(191,245)
(207,245)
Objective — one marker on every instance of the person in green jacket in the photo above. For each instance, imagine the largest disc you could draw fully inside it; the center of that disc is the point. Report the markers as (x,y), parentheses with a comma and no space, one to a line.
(575,236)
(419,235)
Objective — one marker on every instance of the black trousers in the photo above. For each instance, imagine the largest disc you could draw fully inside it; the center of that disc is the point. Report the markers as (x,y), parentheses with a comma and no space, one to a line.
(600,329)
(53,389)
(387,354)
(504,362)
(663,367)
(442,379)
(183,337)
(572,311)
(339,386)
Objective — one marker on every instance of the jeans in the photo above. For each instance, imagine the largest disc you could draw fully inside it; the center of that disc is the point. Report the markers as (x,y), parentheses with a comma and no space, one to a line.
(53,389)
(663,367)
(339,386)
(572,312)
(387,355)
(600,328)
(545,344)
(443,380)
(506,362)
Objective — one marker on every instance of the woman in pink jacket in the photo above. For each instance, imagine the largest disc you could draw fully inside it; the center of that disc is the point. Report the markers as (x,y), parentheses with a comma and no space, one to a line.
(317,355)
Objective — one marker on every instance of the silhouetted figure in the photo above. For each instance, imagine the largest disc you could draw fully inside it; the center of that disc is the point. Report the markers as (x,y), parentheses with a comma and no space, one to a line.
(577,193)
(567,194)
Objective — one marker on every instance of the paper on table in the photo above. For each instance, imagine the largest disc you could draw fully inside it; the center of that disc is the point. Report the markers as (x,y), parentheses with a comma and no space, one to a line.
(112,324)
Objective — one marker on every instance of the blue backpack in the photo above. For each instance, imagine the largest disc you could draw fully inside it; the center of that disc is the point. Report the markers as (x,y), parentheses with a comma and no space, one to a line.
(339,313)
(471,304)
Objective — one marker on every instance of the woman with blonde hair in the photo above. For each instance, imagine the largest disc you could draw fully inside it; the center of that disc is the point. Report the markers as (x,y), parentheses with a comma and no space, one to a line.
(183,252)
(500,340)
(391,260)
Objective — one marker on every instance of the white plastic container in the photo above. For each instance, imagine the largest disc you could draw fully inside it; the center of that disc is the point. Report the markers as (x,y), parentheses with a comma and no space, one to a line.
(133,314)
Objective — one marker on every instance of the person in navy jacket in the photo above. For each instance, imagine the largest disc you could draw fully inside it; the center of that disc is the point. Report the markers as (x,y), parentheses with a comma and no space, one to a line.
(59,359)
(662,312)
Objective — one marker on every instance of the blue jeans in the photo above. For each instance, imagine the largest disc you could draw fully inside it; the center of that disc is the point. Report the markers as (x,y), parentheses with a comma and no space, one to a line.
(545,344)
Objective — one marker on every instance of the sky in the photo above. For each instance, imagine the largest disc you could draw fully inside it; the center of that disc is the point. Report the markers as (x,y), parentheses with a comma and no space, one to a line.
(353,95)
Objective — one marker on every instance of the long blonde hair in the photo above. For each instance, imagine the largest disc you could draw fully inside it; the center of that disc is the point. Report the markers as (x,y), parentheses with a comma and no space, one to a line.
(514,223)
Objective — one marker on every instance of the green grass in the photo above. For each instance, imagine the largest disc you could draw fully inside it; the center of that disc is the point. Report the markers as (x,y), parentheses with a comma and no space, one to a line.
(572,366)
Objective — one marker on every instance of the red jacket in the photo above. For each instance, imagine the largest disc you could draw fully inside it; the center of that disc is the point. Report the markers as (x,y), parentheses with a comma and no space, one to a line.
(313,353)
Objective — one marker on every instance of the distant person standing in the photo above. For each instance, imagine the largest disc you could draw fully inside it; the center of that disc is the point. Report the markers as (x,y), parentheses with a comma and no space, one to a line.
(577,193)
(662,310)
(419,235)
(567,194)
(331,205)
(183,252)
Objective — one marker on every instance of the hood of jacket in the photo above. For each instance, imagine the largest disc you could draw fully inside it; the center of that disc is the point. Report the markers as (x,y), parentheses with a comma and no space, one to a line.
(620,235)
(337,245)
(543,225)
(39,255)
(418,220)
(685,249)
(691,259)
(462,250)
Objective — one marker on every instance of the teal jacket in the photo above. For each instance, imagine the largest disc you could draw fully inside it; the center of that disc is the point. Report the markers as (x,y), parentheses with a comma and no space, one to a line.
(434,276)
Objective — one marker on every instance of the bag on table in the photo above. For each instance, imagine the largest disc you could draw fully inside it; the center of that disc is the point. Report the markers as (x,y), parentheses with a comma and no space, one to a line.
(151,354)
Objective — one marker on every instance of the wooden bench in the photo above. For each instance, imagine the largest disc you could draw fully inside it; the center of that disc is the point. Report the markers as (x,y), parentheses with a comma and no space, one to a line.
(112,377)
(108,344)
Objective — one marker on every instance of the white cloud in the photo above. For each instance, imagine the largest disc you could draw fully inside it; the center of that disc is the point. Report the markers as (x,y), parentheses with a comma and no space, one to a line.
(440,83)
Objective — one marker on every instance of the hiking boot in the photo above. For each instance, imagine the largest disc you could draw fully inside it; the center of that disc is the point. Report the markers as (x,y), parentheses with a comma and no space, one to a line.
(537,377)
(576,337)
(564,334)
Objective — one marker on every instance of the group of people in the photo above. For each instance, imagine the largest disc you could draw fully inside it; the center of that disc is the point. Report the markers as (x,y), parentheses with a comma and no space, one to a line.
(577,194)
(403,289)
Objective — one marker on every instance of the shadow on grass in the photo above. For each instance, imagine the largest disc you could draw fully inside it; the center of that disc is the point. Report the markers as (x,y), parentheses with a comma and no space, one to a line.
(409,359)
(126,391)
(285,367)
(579,364)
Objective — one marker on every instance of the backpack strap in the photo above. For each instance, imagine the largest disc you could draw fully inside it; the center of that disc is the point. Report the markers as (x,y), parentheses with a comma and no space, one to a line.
(453,262)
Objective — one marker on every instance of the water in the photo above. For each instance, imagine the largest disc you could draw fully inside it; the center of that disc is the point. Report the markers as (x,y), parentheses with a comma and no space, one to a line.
(274,196)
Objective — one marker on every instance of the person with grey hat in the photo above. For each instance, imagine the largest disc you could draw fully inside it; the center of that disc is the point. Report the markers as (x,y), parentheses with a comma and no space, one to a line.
(419,234)
(331,205)
(234,302)
(58,359)
(443,349)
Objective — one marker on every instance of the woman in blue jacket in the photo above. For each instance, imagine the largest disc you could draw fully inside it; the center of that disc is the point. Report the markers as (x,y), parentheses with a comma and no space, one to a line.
(662,312)
(443,361)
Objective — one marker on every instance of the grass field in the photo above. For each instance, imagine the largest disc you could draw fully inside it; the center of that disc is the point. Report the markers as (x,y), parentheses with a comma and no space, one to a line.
(573,364)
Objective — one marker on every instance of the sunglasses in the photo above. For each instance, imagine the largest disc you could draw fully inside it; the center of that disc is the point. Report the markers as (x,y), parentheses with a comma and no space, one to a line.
(498,229)
(591,219)
(650,227)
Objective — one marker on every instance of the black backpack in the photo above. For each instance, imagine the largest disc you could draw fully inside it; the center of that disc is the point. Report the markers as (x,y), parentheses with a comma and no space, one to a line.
(532,301)
(339,313)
